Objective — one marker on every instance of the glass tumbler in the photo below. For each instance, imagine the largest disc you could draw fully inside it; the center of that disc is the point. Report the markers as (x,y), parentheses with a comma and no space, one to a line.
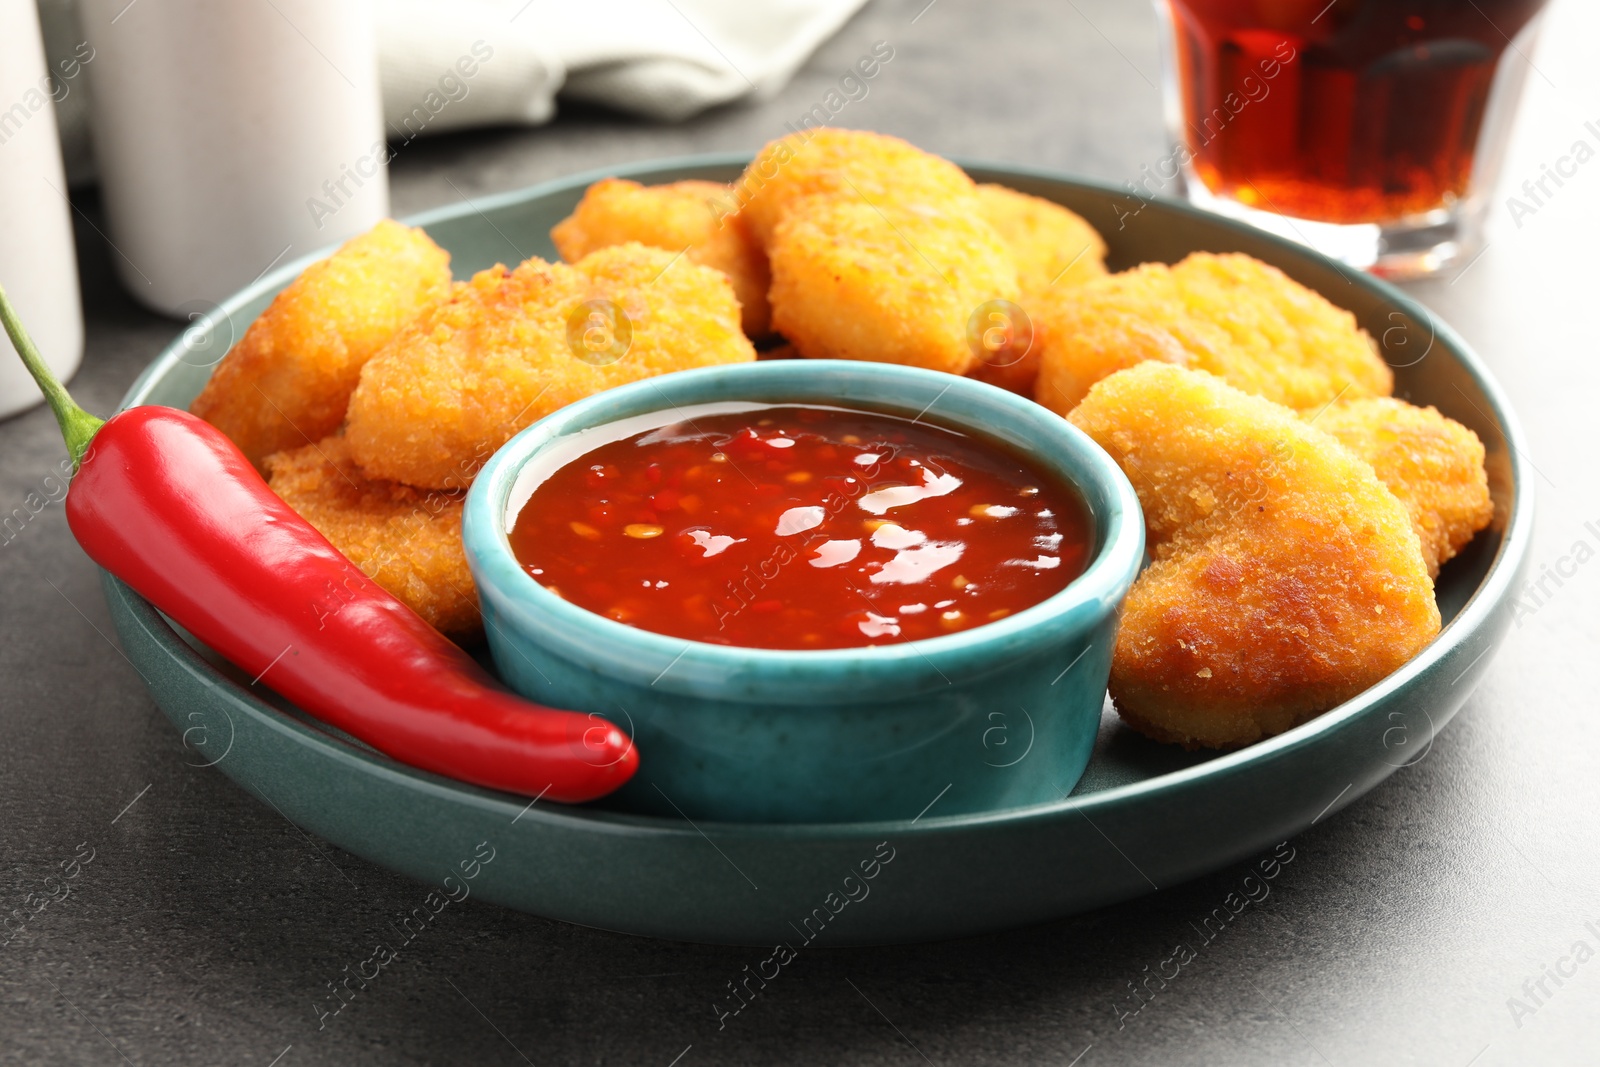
(1371,130)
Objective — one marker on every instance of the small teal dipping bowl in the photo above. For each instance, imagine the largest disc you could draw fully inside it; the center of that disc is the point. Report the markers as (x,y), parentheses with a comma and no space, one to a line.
(1003,715)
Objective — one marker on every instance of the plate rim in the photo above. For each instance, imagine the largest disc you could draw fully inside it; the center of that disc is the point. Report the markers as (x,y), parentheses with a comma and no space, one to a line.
(1468,623)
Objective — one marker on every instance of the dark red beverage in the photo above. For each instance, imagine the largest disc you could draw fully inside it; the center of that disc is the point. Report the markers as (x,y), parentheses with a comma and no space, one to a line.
(1347,112)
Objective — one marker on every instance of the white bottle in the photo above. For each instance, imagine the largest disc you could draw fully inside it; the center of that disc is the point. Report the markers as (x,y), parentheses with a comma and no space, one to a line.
(38,265)
(231,137)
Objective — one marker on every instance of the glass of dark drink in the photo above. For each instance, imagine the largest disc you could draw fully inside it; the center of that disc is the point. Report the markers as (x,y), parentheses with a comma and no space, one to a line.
(1371,130)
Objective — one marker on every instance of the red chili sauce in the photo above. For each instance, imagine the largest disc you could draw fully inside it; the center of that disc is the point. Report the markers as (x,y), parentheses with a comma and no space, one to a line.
(802,528)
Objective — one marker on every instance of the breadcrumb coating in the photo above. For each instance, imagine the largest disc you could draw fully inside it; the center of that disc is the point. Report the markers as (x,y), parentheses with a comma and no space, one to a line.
(852,164)
(1051,247)
(288,380)
(1231,315)
(896,285)
(1432,463)
(511,346)
(407,540)
(1285,578)
(697,218)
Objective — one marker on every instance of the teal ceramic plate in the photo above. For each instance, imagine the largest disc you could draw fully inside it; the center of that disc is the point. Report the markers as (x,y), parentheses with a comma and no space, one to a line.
(1144,816)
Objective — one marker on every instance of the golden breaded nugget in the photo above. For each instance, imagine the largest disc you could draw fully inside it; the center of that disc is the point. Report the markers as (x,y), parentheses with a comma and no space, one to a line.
(510,347)
(694,217)
(892,284)
(1231,315)
(1285,577)
(289,378)
(407,540)
(1433,464)
(852,164)
(1052,246)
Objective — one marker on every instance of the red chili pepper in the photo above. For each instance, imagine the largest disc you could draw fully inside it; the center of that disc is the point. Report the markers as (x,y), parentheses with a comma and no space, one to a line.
(168,504)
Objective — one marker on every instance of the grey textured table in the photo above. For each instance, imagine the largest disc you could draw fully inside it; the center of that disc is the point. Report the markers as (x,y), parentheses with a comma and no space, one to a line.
(206,928)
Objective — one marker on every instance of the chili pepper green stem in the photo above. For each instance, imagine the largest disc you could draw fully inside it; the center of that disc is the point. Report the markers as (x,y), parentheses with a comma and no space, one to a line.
(77,425)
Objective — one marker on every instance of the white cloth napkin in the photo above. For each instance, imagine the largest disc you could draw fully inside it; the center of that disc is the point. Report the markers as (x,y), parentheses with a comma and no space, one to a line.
(452,64)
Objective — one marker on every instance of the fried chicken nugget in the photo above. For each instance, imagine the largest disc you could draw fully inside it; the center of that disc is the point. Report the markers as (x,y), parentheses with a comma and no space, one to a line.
(854,281)
(511,346)
(850,164)
(1052,247)
(1432,463)
(287,381)
(407,540)
(1232,315)
(1285,577)
(694,217)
